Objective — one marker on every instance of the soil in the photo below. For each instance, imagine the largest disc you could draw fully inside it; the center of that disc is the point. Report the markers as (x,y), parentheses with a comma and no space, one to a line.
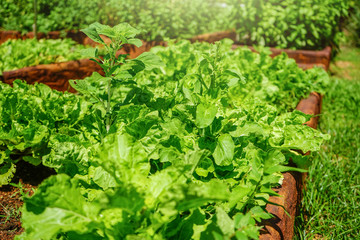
(27,178)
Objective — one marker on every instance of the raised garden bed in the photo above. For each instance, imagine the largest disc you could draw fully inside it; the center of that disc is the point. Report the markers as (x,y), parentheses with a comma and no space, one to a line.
(77,36)
(281,227)
(305,58)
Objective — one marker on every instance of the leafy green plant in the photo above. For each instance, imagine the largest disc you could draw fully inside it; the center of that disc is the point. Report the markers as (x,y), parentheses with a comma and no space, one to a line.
(118,70)
(30,115)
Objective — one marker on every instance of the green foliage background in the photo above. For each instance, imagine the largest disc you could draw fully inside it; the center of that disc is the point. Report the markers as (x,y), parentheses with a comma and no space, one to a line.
(299,24)
(353,23)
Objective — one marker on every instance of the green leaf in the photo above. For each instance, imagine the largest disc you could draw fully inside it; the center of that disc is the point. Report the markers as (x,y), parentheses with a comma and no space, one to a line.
(135,41)
(150,60)
(130,69)
(258,213)
(58,207)
(92,32)
(238,77)
(33,160)
(125,30)
(140,127)
(89,52)
(205,114)
(224,151)
(7,171)
(104,179)
(225,223)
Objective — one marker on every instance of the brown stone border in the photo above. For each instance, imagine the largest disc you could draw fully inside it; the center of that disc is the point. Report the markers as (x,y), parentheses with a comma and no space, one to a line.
(281,226)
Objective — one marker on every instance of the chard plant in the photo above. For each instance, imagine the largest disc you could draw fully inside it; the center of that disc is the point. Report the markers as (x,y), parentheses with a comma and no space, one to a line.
(118,70)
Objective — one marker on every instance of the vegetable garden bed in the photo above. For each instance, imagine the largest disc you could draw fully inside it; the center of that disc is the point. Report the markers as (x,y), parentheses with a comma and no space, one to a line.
(77,36)
(200,120)
(305,58)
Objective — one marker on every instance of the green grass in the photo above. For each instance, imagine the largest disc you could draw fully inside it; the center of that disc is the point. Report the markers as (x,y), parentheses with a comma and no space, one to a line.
(331,202)
(347,64)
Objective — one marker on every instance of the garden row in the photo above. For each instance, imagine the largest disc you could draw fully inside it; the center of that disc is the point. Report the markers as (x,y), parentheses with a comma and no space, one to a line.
(29,52)
(183,142)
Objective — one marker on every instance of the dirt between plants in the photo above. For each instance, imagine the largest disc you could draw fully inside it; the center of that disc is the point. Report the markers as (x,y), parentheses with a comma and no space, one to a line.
(27,178)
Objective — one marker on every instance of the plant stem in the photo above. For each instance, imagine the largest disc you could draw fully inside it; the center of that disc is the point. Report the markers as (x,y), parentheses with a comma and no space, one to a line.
(108,108)
(35,19)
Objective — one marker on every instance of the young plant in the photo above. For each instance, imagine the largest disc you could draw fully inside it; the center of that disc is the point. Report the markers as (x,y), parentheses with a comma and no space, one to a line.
(118,70)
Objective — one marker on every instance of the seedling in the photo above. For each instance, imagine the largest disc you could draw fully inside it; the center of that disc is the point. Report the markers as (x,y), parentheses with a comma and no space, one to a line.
(9,213)
(23,192)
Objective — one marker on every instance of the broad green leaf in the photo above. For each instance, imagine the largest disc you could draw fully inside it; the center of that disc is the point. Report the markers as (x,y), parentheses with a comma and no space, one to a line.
(150,60)
(92,32)
(126,30)
(237,77)
(259,213)
(225,223)
(58,206)
(89,52)
(7,171)
(104,179)
(130,69)
(224,151)
(205,114)
(135,41)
